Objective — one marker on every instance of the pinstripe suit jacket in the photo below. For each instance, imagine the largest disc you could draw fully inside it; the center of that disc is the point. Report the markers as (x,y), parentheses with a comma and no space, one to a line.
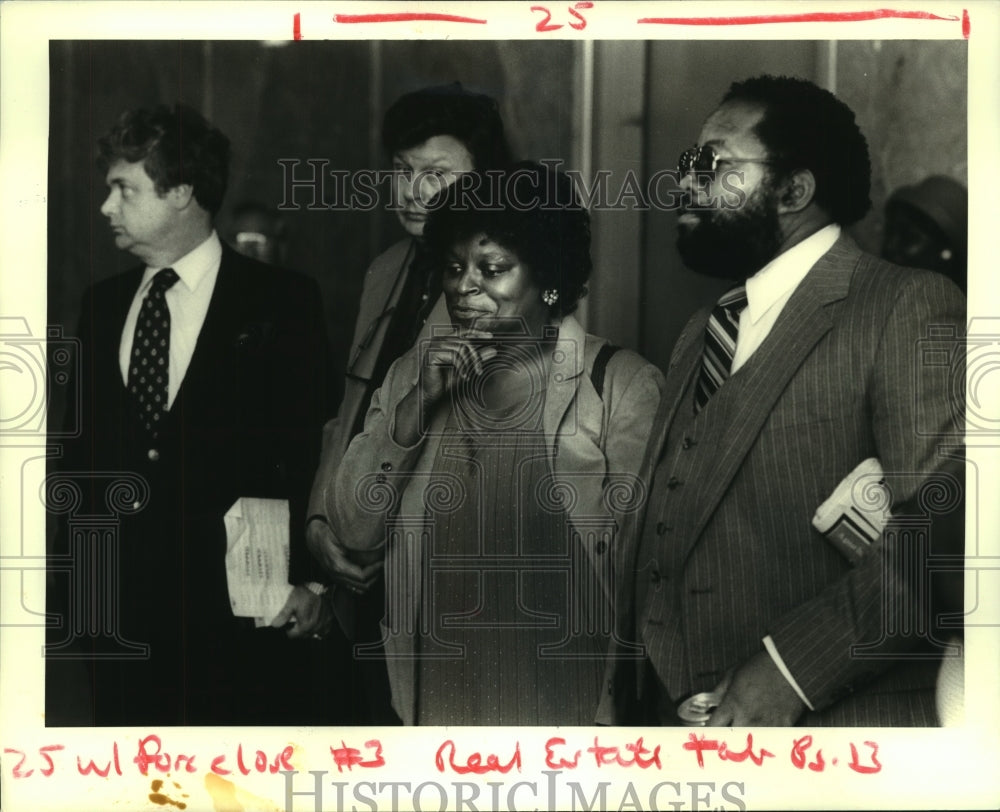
(726,553)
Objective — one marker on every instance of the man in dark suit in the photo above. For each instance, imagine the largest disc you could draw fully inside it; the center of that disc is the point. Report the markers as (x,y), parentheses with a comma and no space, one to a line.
(203,380)
(432,136)
(811,365)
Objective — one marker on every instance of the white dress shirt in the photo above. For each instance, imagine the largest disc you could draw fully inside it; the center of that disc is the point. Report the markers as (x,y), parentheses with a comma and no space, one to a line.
(768,291)
(187,300)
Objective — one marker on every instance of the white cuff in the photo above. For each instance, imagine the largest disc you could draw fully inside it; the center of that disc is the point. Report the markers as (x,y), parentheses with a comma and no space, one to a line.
(769,645)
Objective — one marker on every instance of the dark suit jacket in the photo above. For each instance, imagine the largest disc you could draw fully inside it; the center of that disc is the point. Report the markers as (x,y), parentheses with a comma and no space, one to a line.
(246,422)
(727,554)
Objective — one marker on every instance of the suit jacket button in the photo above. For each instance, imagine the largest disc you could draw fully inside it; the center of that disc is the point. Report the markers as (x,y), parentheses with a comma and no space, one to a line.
(663,528)
(386,466)
(673,482)
(136,505)
(687,443)
(600,547)
(153,455)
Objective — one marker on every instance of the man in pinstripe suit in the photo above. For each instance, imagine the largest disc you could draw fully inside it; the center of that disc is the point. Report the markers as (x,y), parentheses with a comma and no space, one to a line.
(814,367)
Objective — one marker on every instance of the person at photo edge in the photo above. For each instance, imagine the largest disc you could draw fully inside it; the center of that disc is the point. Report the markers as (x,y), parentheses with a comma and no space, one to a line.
(513,437)
(812,365)
(203,378)
(432,136)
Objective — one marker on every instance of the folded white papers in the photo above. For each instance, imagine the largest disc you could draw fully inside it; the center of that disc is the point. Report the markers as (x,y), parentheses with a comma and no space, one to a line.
(856,513)
(257,558)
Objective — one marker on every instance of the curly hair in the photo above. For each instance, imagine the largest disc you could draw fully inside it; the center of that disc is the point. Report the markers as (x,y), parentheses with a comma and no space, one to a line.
(176,146)
(807,127)
(529,208)
(472,118)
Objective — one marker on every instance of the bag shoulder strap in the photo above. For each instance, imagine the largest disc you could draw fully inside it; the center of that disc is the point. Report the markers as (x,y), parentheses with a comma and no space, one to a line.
(600,367)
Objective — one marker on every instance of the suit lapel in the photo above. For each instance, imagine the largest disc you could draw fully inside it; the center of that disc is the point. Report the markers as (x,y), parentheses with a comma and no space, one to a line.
(568,363)
(756,387)
(205,381)
(684,365)
(108,327)
(111,323)
(384,296)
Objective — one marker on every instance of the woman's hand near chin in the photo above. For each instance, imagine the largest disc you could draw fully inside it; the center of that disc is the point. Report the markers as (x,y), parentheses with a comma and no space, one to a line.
(445,360)
(449,358)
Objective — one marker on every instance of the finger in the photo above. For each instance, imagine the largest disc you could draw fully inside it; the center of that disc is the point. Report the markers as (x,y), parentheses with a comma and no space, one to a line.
(348,570)
(283,617)
(476,361)
(361,585)
(441,354)
(353,585)
(305,622)
(723,687)
(465,361)
(472,332)
(722,716)
(371,572)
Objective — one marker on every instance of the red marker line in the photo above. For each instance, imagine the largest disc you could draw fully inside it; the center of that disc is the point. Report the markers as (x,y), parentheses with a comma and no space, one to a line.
(814,17)
(405,17)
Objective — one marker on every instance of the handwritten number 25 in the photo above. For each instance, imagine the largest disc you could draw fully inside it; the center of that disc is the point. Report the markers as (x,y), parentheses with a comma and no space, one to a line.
(546,24)
(47,770)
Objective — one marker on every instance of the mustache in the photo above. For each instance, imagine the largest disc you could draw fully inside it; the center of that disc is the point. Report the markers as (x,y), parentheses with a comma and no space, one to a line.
(687,206)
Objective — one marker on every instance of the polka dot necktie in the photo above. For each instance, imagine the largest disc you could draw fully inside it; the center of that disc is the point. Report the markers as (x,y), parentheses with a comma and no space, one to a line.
(720,344)
(150,361)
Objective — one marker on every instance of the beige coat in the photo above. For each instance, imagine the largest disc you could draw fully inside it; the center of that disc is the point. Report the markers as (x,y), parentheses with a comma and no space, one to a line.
(383,494)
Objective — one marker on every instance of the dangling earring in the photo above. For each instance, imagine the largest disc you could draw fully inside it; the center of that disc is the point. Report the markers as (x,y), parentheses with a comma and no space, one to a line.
(550,296)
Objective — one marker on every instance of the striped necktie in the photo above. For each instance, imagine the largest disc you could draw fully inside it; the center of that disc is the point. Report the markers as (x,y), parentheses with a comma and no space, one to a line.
(149,365)
(720,344)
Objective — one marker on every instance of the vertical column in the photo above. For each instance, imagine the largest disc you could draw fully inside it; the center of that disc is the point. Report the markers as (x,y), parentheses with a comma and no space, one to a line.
(91,613)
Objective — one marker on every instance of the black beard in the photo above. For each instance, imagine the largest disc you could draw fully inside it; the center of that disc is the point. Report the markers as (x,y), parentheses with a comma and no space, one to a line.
(732,244)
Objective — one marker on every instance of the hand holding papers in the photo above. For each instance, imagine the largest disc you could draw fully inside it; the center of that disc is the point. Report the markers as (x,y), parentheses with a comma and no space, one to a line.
(257,558)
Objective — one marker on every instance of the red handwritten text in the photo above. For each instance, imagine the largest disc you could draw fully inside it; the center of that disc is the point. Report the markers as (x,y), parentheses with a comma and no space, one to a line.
(350,757)
(546,24)
(858,767)
(559,764)
(640,756)
(19,770)
(799,747)
(699,744)
(260,763)
(475,763)
(86,769)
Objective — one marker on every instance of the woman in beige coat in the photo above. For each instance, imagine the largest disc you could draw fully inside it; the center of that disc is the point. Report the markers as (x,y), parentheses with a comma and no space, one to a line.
(495,463)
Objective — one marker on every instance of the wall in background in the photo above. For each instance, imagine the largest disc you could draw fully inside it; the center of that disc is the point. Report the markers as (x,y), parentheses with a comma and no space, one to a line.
(911,101)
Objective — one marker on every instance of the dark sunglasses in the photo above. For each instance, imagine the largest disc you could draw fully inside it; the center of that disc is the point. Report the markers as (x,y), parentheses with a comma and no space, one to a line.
(706,159)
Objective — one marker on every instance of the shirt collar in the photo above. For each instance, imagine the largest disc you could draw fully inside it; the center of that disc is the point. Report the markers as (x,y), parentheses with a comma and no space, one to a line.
(776,280)
(194,266)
